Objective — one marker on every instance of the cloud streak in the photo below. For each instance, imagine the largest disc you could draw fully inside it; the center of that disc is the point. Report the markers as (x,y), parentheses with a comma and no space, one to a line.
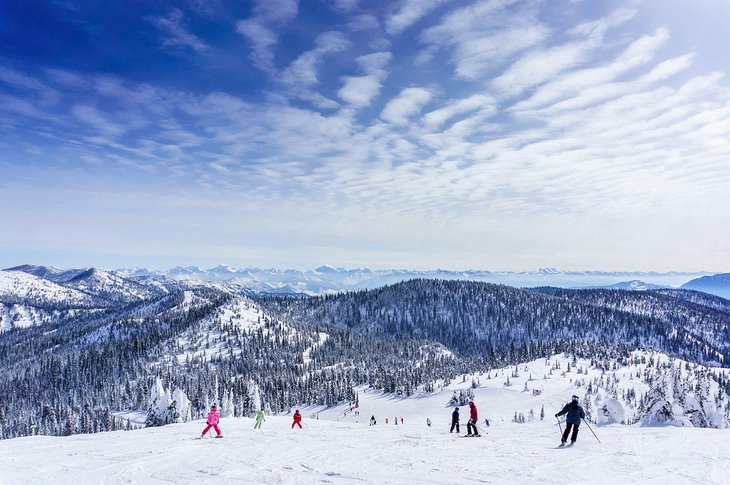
(261,29)
(176,35)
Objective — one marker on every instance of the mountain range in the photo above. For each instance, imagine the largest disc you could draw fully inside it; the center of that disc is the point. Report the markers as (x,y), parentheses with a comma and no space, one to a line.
(328,279)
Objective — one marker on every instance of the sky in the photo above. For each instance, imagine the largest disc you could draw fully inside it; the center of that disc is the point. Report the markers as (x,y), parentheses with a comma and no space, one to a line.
(497,134)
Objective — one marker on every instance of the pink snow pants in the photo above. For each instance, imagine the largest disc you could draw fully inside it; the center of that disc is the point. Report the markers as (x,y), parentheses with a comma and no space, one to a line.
(214,426)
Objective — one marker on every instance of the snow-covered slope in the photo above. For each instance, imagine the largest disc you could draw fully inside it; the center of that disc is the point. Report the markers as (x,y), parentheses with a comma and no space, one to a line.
(27,300)
(337,446)
(111,287)
(20,285)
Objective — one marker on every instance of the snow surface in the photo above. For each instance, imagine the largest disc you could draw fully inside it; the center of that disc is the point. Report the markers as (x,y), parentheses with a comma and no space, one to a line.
(338,446)
(25,286)
(27,300)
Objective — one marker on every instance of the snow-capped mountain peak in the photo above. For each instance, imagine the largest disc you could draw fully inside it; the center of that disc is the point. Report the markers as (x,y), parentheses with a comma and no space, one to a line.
(223,268)
(326,268)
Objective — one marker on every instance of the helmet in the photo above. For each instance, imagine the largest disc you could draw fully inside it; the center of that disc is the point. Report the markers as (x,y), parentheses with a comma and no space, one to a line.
(575,398)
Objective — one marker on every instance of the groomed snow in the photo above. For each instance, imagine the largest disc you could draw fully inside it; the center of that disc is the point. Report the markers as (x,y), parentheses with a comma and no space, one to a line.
(331,452)
(340,447)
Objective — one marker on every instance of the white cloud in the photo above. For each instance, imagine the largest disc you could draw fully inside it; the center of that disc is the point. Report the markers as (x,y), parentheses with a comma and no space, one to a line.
(260,29)
(363,22)
(478,102)
(361,90)
(483,36)
(263,39)
(303,70)
(668,68)
(540,65)
(537,67)
(598,28)
(176,35)
(408,103)
(569,84)
(409,12)
(345,5)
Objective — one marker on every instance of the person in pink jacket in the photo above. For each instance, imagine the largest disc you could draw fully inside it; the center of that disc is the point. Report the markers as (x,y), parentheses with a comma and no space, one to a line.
(471,425)
(213,419)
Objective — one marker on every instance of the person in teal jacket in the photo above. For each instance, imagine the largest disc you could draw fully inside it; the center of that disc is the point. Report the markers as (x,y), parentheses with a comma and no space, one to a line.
(259,419)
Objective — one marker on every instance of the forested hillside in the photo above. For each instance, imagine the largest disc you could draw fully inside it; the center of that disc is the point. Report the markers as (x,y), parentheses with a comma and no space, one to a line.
(78,352)
(483,319)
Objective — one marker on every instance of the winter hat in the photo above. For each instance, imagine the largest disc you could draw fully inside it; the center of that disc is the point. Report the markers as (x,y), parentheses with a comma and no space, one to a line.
(575,398)
(213,407)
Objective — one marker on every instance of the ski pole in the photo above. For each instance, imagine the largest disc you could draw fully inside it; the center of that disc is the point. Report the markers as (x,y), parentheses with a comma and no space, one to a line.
(480,429)
(589,427)
(559,426)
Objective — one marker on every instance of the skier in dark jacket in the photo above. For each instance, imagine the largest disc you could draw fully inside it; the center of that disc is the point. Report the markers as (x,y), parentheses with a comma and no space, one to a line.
(471,425)
(455,421)
(572,421)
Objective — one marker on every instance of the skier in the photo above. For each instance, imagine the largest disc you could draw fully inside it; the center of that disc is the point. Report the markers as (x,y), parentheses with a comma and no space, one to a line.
(212,422)
(297,420)
(572,421)
(473,418)
(372,420)
(455,421)
(428,422)
(259,419)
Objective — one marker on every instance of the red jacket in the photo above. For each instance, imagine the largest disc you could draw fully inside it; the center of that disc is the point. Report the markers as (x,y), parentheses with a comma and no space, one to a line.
(297,417)
(473,412)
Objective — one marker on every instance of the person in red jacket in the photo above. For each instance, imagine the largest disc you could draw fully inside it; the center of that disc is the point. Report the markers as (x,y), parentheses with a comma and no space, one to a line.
(213,418)
(297,420)
(473,418)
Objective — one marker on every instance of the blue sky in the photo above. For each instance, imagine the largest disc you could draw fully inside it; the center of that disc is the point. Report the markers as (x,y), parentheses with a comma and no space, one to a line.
(498,134)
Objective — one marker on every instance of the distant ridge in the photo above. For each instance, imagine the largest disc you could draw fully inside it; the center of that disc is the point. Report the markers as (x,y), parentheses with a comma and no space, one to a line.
(718,284)
(327,279)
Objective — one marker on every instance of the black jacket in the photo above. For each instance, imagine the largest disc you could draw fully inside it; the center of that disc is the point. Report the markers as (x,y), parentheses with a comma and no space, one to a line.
(455,416)
(574,413)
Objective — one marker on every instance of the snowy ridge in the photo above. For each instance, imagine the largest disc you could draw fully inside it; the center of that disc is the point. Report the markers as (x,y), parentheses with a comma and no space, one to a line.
(110,287)
(27,300)
(18,285)
(718,284)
